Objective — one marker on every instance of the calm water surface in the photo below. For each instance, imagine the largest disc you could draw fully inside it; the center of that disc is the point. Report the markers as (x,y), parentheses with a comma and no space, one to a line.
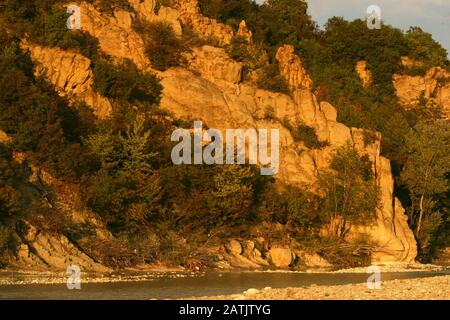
(210,284)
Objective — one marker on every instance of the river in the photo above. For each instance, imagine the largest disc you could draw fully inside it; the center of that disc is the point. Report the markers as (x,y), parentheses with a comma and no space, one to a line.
(209,284)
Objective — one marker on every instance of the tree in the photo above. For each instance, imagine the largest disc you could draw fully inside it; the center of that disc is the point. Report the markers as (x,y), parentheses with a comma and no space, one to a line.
(424,48)
(232,195)
(425,174)
(125,83)
(349,192)
(126,190)
(10,198)
(162,46)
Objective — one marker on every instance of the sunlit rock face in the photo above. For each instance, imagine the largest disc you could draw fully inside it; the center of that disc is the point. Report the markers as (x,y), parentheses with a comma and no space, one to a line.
(434,87)
(209,88)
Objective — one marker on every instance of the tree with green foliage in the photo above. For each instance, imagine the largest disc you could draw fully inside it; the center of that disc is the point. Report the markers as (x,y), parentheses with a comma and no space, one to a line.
(162,46)
(125,190)
(10,198)
(425,176)
(40,121)
(269,78)
(232,195)
(424,48)
(125,83)
(350,194)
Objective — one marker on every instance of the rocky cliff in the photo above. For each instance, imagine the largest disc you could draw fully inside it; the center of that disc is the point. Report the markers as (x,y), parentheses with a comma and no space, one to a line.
(434,87)
(210,88)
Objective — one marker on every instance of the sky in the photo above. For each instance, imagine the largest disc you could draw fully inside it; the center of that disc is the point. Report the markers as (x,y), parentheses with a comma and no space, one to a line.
(432,16)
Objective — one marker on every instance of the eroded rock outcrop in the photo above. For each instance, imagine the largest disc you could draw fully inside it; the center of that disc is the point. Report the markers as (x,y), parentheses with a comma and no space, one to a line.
(291,67)
(115,34)
(191,15)
(147,10)
(44,251)
(215,65)
(71,74)
(245,32)
(364,73)
(434,87)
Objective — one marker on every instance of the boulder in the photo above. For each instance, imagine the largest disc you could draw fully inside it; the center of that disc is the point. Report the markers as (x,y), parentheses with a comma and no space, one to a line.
(312,260)
(280,257)
(234,247)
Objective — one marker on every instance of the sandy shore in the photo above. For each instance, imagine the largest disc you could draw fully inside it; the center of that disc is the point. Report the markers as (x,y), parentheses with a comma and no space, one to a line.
(433,288)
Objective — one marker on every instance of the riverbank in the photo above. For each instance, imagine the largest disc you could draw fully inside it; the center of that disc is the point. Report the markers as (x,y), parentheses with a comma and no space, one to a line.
(432,288)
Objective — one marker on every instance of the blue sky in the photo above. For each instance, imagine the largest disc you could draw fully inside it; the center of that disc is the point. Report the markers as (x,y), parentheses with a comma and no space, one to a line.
(433,16)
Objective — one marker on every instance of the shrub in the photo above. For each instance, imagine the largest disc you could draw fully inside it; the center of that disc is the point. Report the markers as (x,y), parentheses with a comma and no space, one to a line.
(125,82)
(414,71)
(270,113)
(194,39)
(238,49)
(162,46)
(110,5)
(4,237)
(308,136)
(270,79)
(305,134)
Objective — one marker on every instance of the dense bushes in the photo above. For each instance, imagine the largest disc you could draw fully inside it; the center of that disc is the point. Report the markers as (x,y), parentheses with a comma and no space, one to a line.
(274,23)
(45,23)
(269,78)
(124,82)
(10,173)
(162,46)
(422,47)
(40,120)
(303,133)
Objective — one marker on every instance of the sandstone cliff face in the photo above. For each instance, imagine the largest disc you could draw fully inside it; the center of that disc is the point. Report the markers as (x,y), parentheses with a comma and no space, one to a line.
(115,34)
(292,69)
(147,10)
(190,15)
(209,89)
(71,74)
(221,106)
(434,86)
